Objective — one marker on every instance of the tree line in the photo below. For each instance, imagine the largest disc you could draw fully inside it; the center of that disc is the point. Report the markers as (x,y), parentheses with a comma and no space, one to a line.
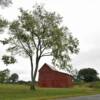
(5,77)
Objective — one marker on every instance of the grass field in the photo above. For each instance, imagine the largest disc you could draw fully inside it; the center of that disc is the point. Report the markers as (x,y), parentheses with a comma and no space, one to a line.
(22,92)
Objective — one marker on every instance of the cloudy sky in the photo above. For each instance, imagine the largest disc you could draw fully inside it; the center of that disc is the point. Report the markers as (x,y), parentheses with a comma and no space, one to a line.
(82,17)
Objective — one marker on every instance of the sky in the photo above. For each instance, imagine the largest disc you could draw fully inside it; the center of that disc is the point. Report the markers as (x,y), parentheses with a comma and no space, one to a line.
(82,17)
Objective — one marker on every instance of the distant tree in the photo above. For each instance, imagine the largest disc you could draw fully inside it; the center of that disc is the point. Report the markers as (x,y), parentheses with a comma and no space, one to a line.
(88,75)
(4,76)
(8,59)
(14,78)
(39,33)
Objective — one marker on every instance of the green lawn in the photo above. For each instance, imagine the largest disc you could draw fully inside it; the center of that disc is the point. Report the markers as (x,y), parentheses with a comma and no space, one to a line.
(22,92)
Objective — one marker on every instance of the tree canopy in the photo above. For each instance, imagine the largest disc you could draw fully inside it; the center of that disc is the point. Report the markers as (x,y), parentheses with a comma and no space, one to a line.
(14,78)
(4,75)
(40,33)
(8,59)
(88,75)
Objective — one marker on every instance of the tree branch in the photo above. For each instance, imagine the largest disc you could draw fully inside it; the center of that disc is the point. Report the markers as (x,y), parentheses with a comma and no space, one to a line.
(47,54)
(24,47)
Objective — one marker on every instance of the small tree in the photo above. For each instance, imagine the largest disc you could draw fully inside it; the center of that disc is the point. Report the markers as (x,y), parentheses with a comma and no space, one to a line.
(13,78)
(88,75)
(4,76)
(8,59)
(39,33)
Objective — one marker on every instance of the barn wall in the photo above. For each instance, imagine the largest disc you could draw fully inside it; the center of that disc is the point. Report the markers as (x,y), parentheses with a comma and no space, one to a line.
(50,78)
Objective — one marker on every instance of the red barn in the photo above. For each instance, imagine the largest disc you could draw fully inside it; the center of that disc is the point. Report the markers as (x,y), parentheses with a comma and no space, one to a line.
(50,77)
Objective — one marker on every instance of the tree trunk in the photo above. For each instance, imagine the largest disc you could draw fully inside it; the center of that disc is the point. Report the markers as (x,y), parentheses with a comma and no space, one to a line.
(33,76)
(32,85)
(36,68)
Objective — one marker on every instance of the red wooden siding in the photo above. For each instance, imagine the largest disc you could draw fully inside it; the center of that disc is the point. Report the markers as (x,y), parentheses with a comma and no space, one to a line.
(52,78)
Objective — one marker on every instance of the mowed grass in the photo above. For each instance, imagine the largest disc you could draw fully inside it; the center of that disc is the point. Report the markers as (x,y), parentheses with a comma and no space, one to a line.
(22,92)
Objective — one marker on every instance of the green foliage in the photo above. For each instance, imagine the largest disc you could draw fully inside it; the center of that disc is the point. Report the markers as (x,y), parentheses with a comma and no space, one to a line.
(3,23)
(13,78)
(8,59)
(4,76)
(88,74)
(41,31)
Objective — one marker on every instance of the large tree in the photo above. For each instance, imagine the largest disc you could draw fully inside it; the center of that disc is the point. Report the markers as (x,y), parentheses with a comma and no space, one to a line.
(88,75)
(39,33)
